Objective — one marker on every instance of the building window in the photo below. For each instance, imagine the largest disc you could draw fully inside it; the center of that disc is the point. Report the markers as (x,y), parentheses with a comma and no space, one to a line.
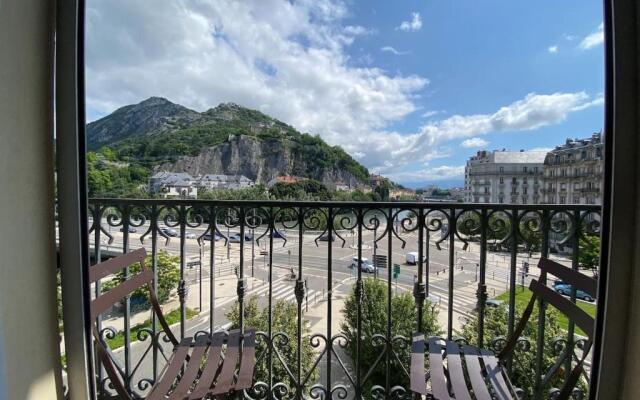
(486,190)
(535,169)
(501,179)
(514,180)
(576,200)
(524,180)
(501,169)
(562,172)
(500,199)
(524,191)
(584,155)
(563,186)
(524,169)
(562,199)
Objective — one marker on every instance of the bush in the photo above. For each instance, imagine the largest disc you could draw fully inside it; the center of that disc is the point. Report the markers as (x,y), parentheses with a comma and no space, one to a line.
(374,321)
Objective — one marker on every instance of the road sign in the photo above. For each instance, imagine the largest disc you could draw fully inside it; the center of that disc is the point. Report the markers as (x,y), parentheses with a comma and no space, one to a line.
(380,261)
(396,271)
(264,253)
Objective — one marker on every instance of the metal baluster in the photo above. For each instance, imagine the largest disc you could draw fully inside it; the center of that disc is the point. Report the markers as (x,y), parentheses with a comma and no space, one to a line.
(329,292)
(512,280)
(299,292)
(97,223)
(482,287)
(575,222)
(127,303)
(452,230)
(359,293)
(537,391)
(182,289)
(212,266)
(241,281)
(153,224)
(389,316)
(418,286)
(270,300)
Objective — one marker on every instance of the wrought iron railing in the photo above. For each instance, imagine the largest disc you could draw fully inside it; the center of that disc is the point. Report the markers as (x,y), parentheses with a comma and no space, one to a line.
(299,253)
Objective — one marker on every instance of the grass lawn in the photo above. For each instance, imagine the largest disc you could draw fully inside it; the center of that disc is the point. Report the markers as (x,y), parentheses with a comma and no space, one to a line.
(172,318)
(522,299)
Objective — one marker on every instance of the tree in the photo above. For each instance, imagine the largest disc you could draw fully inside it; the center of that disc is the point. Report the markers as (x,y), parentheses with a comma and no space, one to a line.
(168,278)
(284,320)
(589,252)
(374,321)
(495,326)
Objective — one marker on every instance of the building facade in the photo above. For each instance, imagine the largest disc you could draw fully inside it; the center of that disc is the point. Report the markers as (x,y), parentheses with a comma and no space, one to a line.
(182,184)
(573,172)
(512,177)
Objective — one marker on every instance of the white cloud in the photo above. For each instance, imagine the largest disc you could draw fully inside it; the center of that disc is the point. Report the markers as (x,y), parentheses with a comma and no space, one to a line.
(430,174)
(532,112)
(474,142)
(389,49)
(593,39)
(431,113)
(289,60)
(413,25)
(552,49)
(357,30)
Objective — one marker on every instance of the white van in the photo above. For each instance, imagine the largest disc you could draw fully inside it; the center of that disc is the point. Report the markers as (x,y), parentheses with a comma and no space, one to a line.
(412,258)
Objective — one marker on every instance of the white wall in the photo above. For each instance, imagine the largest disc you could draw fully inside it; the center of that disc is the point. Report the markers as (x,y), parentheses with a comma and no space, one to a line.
(29,356)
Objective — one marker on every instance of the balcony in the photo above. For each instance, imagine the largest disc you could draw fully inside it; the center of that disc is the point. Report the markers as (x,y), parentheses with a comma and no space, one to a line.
(271,266)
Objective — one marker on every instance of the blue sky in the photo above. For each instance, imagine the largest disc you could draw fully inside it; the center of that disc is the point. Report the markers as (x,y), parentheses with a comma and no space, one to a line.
(400,85)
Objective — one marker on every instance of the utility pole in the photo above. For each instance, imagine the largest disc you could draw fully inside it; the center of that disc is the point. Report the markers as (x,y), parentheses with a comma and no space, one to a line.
(228,237)
(253,252)
(375,247)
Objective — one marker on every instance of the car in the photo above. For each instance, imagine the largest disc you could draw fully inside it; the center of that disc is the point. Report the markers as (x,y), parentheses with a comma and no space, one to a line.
(190,235)
(565,290)
(325,237)
(169,232)
(494,303)
(207,236)
(235,238)
(412,258)
(279,234)
(366,265)
(131,229)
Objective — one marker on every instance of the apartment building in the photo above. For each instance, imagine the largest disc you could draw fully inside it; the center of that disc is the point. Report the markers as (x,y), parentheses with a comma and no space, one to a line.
(513,177)
(573,172)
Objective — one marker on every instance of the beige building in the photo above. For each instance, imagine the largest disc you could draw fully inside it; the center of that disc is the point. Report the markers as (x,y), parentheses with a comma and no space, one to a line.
(573,172)
(513,177)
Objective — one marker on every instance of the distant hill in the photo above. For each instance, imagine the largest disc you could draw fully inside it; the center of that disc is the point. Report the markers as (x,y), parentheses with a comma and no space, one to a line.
(157,134)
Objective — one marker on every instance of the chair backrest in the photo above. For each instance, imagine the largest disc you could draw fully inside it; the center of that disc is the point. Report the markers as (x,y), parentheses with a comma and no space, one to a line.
(540,290)
(576,280)
(106,300)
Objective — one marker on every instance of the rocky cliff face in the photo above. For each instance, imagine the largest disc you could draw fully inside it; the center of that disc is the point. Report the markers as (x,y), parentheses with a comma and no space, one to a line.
(258,159)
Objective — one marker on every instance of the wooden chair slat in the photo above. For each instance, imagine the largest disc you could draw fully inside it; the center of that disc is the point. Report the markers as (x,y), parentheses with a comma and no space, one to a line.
(436,367)
(114,265)
(563,304)
(247,361)
(104,302)
(494,372)
(225,379)
(210,370)
(456,373)
(193,367)
(570,276)
(417,378)
(176,362)
(471,357)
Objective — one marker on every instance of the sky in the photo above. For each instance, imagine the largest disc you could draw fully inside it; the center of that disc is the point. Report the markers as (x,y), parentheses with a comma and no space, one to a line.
(410,88)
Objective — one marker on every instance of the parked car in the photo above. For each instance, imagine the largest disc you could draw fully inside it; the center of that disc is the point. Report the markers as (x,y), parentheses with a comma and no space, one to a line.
(131,229)
(279,234)
(494,303)
(565,290)
(169,232)
(325,237)
(235,238)
(190,235)
(207,236)
(366,265)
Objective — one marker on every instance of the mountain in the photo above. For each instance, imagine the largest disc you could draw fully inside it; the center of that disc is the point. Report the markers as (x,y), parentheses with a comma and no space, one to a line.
(154,115)
(157,134)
